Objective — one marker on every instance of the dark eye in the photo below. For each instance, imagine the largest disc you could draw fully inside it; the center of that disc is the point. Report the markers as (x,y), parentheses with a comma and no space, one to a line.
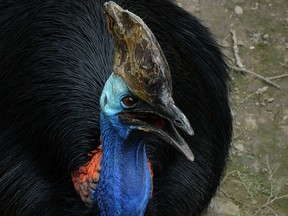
(129,102)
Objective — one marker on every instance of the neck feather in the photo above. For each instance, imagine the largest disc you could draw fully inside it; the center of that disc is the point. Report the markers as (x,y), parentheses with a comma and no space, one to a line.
(124,186)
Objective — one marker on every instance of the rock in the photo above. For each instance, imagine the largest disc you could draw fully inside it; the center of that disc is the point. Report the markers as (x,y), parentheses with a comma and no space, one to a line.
(241,43)
(255,36)
(255,7)
(266,36)
(262,90)
(238,10)
(180,4)
(270,100)
(240,147)
(223,208)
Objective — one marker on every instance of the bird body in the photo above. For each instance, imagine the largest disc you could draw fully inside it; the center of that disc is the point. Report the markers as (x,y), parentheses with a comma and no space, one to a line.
(68,125)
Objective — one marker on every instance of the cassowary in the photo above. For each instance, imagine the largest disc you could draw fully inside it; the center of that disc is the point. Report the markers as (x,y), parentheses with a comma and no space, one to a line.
(87,115)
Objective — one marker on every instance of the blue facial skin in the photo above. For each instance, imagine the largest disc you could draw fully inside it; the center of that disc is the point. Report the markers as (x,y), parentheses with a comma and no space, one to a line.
(124,186)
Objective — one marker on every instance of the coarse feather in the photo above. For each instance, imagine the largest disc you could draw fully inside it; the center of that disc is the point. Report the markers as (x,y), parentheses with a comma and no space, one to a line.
(55,57)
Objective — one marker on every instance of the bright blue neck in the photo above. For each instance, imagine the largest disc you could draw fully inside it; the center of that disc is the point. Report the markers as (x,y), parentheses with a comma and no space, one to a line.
(124,185)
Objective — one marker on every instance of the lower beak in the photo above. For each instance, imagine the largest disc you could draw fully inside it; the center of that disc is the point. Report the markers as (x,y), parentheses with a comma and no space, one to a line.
(162,124)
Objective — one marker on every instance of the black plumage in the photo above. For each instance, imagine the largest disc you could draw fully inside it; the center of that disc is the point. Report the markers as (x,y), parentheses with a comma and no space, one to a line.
(55,57)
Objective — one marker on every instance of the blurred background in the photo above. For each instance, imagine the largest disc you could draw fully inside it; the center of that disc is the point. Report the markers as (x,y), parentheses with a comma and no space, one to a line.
(254,37)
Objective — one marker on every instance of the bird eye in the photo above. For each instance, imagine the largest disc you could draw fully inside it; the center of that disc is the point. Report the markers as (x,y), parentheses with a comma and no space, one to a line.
(128,102)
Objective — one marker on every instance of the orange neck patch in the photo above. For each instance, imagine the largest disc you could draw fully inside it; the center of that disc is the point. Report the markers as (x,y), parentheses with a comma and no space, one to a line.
(86,178)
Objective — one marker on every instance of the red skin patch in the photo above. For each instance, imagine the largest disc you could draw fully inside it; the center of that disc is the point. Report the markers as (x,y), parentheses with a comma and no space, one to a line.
(87,171)
(85,179)
(150,169)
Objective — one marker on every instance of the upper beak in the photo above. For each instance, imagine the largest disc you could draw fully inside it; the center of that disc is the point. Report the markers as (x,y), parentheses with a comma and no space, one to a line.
(171,116)
(175,115)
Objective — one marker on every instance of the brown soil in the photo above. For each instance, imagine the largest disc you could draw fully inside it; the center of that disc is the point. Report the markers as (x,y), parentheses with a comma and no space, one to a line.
(256,181)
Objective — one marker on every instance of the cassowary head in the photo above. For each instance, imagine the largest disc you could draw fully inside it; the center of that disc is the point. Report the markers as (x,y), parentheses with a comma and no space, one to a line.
(136,104)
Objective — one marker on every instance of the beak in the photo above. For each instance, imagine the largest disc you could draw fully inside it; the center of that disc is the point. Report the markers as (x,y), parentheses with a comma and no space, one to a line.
(176,116)
(161,121)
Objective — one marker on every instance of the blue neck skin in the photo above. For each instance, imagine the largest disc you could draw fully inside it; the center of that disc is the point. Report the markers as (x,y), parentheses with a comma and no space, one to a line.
(124,186)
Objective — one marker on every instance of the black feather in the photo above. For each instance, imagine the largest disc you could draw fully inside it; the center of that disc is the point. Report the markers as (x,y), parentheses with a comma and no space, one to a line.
(55,57)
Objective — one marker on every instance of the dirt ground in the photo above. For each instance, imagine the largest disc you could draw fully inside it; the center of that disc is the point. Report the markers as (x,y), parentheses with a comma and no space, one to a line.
(256,180)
